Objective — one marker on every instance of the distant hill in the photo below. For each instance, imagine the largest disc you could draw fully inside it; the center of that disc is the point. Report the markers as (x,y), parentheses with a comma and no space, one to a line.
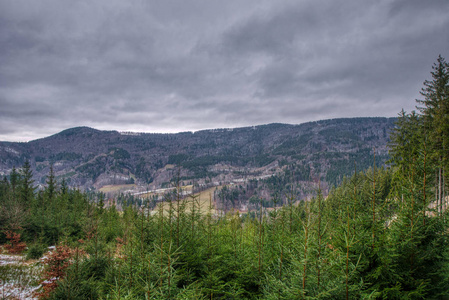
(87,157)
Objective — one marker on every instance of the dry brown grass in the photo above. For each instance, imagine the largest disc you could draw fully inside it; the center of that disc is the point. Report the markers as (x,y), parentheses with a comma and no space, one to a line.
(202,199)
(116,188)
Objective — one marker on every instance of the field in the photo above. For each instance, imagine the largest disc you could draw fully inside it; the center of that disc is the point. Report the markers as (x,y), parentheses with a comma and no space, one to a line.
(203,201)
(116,188)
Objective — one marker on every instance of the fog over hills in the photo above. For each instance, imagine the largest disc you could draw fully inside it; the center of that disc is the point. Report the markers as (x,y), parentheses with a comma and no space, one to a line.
(86,157)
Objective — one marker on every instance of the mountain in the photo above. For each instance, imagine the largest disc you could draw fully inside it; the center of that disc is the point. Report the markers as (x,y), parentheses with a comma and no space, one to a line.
(87,157)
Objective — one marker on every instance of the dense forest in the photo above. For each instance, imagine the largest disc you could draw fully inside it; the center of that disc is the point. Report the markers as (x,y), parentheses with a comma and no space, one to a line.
(381,234)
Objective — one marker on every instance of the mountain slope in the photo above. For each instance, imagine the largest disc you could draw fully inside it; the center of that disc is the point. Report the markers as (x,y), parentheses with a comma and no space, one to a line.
(88,157)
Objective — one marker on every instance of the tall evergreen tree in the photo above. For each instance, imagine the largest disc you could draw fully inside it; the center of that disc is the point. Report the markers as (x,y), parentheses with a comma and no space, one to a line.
(14,179)
(27,187)
(51,185)
(435,107)
(435,111)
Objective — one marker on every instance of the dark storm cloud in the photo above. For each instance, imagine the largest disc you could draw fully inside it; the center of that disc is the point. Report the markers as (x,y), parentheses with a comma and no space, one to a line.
(186,65)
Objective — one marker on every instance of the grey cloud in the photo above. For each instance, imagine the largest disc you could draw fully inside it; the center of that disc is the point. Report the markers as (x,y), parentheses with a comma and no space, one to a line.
(355,52)
(163,66)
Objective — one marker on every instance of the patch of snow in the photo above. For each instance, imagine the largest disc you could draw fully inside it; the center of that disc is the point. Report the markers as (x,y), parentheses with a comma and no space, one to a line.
(12,290)
(20,287)
(11,150)
(10,259)
(130,133)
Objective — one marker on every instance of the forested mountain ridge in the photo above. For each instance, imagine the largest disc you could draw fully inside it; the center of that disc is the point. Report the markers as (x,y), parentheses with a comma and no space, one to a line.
(87,157)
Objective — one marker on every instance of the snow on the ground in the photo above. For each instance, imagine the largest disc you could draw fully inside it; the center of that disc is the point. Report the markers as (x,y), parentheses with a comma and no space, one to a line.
(10,259)
(14,291)
(18,288)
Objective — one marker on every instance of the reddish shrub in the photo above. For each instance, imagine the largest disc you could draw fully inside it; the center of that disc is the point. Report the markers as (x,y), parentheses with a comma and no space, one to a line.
(15,245)
(56,264)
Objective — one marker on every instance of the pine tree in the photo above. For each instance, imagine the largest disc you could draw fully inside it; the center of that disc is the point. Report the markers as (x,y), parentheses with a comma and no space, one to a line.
(26,185)
(435,112)
(14,179)
(51,185)
(415,259)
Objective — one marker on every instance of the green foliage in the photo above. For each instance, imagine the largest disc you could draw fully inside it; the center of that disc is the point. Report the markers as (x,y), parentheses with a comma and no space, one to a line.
(329,248)
(39,159)
(143,172)
(35,251)
(93,168)
(177,159)
(297,143)
(69,156)
(119,153)
(27,184)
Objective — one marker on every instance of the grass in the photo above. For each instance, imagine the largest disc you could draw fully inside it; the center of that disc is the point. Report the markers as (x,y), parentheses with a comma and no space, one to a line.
(116,188)
(203,200)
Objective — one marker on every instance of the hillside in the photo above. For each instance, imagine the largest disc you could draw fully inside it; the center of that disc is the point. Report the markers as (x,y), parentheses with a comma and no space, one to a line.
(87,157)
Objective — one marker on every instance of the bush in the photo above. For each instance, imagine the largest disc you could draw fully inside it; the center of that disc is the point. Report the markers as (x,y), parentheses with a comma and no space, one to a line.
(35,251)
(56,265)
(14,246)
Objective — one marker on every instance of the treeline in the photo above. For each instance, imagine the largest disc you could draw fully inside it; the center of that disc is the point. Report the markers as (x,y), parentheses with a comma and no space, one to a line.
(43,217)
(420,143)
(382,234)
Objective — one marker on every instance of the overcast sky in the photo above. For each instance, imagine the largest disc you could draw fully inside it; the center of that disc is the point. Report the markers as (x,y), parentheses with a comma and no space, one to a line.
(185,65)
